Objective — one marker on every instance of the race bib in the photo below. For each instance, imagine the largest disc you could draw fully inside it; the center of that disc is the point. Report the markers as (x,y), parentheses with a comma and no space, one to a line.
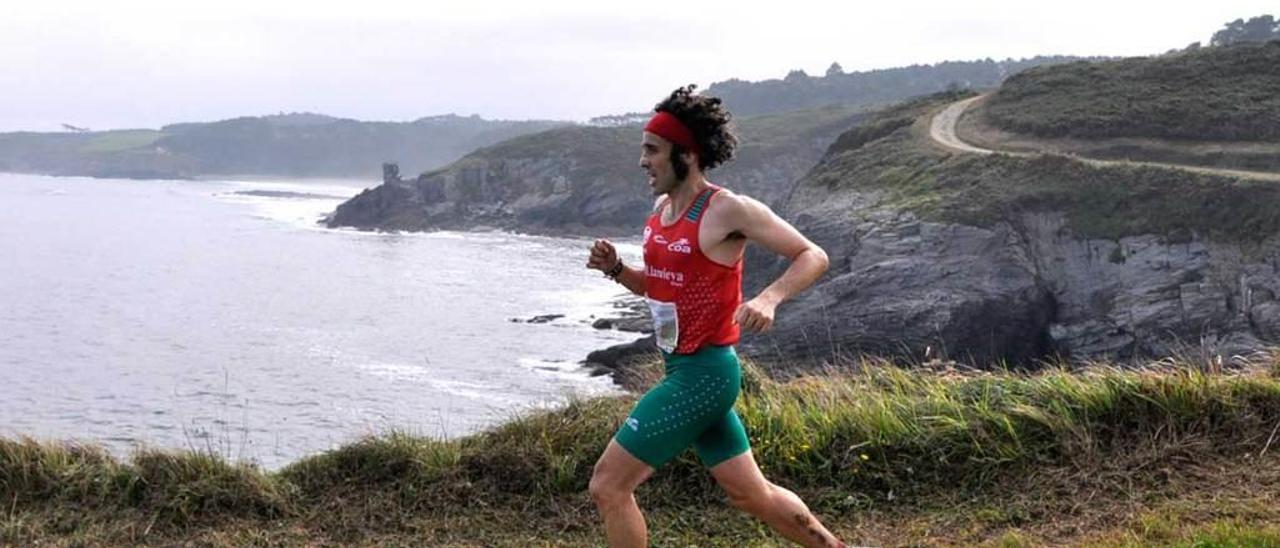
(666,325)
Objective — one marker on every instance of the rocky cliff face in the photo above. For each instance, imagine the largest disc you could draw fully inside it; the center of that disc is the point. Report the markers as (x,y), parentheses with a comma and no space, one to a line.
(582,180)
(1023,290)
(898,285)
(1143,295)
(1028,277)
(568,180)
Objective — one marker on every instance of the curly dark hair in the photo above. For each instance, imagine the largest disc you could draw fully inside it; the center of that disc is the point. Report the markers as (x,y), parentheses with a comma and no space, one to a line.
(710,123)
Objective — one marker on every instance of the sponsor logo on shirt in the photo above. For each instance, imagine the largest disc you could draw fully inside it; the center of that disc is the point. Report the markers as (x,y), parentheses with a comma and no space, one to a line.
(674,278)
(680,246)
(633,423)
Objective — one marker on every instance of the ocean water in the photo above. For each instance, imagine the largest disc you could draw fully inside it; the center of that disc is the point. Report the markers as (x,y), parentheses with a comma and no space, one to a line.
(218,316)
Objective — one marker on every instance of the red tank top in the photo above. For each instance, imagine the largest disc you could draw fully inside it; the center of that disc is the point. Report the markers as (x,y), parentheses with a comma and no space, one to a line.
(706,294)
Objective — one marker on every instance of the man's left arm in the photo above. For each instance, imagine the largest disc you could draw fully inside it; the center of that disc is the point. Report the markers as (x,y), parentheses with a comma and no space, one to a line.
(808,261)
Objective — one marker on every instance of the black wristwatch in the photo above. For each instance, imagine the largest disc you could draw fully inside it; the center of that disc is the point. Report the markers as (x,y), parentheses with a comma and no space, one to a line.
(615,271)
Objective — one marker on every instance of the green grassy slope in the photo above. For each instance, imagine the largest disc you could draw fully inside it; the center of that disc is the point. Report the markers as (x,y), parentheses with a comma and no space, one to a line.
(891,154)
(884,454)
(1214,94)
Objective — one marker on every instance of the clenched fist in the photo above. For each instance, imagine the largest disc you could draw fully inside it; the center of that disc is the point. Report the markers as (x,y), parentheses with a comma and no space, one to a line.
(603,256)
(756,314)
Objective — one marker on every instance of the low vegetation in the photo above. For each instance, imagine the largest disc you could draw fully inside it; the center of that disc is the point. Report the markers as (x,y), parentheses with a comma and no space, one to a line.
(886,454)
(116,141)
(1222,93)
(891,154)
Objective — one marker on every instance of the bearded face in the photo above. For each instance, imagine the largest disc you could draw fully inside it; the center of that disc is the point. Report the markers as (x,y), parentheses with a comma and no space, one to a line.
(656,160)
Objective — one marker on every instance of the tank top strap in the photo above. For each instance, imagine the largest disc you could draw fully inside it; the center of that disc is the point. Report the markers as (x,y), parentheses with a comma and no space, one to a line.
(700,204)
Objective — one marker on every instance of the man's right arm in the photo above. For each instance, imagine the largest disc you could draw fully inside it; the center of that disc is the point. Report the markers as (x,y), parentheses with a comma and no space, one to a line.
(632,279)
(604,257)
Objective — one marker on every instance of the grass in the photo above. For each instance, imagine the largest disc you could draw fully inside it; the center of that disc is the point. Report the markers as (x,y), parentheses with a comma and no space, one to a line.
(122,140)
(998,457)
(890,154)
(1218,93)
(1106,202)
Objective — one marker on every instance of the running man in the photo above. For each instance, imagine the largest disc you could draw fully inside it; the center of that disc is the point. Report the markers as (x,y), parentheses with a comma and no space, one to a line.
(692,277)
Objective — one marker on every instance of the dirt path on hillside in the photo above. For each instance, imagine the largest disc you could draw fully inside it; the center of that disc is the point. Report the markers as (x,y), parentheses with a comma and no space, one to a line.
(942,130)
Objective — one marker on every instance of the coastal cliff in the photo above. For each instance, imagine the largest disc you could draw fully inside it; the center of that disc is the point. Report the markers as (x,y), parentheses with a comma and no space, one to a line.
(582,180)
(1014,259)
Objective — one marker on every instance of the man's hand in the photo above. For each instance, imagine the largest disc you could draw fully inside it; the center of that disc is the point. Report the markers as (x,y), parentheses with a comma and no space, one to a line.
(603,256)
(756,314)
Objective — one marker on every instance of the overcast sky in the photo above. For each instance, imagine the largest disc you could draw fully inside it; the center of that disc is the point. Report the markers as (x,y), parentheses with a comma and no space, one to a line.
(116,64)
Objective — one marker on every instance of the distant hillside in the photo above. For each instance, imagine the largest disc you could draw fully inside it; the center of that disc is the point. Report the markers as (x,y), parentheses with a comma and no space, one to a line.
(299,145)
(799,90)
(121,153)
(1224,93)
(584,179)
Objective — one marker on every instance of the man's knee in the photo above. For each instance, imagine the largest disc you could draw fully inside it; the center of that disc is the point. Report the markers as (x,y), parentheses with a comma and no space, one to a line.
(605,489)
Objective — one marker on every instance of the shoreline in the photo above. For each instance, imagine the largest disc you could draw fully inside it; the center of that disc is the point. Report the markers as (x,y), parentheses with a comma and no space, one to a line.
(620,361)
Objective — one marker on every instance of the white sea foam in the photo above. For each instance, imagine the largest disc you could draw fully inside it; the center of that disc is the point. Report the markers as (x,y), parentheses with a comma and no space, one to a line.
(585,384)
(396,371)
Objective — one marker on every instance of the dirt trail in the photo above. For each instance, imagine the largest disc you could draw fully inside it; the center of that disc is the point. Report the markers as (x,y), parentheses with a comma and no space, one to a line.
(943,130)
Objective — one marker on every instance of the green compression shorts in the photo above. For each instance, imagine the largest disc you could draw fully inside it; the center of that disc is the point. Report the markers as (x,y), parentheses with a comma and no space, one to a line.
(692,405)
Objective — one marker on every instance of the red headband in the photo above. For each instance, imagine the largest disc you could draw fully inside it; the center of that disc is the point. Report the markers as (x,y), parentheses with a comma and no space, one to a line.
(666,125)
